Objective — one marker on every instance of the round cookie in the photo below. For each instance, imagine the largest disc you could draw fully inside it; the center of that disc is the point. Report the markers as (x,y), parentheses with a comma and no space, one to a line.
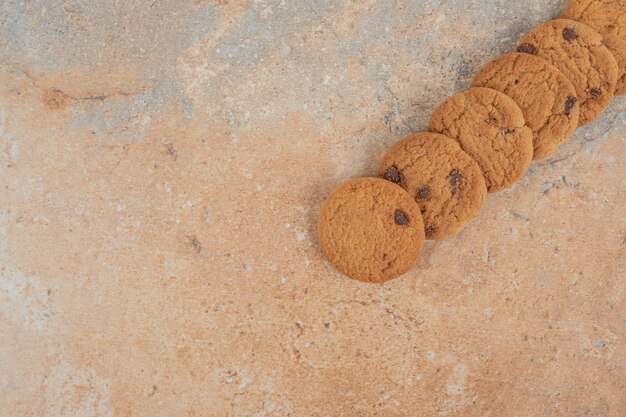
(578,51)
(371,230)
(608,18)
(446,183)
(545,95)
(490,127)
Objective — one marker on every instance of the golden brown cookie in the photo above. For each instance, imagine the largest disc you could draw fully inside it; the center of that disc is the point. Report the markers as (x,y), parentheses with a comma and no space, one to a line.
(371,230)
(446,183)
(578,51)
(545,95)
(490,127)
(608,18)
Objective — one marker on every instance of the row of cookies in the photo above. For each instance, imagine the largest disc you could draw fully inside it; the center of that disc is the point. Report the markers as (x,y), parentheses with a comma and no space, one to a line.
(521,106)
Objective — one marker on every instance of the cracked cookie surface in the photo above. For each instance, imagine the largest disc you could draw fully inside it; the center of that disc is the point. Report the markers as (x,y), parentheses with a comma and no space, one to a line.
(608,18)
(446,183)
(547,98)
(489,126)
(578,52)
(371,230)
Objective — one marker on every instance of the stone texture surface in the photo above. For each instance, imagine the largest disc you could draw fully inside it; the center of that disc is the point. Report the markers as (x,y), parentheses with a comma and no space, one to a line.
(162,166)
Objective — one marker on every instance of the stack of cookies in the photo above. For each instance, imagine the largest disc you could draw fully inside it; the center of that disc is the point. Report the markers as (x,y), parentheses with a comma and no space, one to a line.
(522,106)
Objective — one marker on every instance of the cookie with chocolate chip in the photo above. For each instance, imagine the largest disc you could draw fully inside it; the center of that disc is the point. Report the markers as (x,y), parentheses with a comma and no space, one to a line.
(371,230)
(545,95)
(489,126)
(608,18)
(446,183)
(578,52)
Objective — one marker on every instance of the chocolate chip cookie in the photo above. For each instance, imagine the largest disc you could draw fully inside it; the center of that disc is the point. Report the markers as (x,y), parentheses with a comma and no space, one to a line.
(371,230)
(545,95)
(490,127)
(578,51)
(608,18)
(446,183)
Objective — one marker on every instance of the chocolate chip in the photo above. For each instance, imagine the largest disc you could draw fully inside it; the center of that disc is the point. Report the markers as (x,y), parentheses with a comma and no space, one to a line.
(527,48)
(569,105)
(455,179)
(596,92)
(429,229)
(392,174)
(491,121)
(507,131)
(570,34)
(400,218)
(423,193)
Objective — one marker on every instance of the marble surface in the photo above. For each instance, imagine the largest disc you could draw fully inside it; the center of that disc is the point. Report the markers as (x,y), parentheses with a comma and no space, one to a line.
(162,166)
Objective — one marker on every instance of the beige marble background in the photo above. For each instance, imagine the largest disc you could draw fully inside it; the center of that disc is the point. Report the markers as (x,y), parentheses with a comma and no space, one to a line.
(162,166)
